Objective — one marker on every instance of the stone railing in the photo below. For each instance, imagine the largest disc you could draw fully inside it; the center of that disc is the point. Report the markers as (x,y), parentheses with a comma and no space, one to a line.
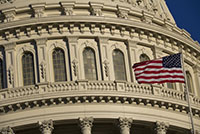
(100,86)
(95,91)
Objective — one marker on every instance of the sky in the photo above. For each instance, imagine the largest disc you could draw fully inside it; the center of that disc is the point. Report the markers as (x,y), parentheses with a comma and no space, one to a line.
(187,15)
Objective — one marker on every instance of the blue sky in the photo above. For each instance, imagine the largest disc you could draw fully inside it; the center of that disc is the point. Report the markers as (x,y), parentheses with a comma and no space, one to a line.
(187,15)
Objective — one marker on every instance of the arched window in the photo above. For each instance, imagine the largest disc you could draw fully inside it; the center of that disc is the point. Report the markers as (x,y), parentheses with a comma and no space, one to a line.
(59,65)
(144,57)
(119,65)
(28,69)
(1,74)
(89,64)
(189,81)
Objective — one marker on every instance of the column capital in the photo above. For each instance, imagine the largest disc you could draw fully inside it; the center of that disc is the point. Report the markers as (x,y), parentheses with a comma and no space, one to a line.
(41,41)
(161,127)
(86,122)
(125,122)
(72,39)
(10,46)
(7,130)
(46,126)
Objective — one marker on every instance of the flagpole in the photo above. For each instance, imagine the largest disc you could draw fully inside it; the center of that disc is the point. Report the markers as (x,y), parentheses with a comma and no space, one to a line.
(187,95)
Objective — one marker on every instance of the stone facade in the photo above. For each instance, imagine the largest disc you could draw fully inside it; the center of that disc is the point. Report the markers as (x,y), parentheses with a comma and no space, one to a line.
(98,100)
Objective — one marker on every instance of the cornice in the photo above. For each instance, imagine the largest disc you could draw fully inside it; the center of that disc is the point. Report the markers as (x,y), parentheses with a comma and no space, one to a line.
(98,19)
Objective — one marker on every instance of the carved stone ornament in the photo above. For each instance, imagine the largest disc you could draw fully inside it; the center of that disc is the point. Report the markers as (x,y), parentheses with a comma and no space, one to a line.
(6,130)
(96,11)
(125,122)
(161,127)
(68,10)
(6,1)
(86,124)
(75,67)
(122,14)
(9,16)
(43,69)
(106,67)
(10,75)
(38,12)
(46,126)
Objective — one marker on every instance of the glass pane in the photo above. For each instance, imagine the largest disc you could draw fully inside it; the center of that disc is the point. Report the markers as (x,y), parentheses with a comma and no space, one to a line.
(59,65)
(89,64)
(1,74)
(119,65)
(28,69)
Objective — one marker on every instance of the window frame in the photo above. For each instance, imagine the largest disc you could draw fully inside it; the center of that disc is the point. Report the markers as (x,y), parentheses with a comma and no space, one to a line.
(64,64)
(34,81)
(94,62)
(19,73)
(51,46)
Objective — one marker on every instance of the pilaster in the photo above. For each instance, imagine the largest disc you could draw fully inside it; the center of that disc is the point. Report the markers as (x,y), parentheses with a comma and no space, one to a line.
(125,125)
(7,130)
(132,48)
(46,126)
(73,50)
(161,127)
(10,53)
(196,69)
(86,124)
(103,45)
(42,59)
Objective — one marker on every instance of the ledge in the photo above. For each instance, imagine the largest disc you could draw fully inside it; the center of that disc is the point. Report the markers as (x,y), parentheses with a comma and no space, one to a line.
(95,92)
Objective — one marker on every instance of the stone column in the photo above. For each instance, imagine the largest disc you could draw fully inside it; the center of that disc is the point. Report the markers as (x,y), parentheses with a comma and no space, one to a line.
(42,59)
(161,127)
(10,53)
(103,43)
(46,126)
(73,51)
(86,124)
(7,130)
(125,125)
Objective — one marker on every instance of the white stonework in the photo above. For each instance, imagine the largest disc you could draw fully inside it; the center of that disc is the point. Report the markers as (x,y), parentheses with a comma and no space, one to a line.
(108,104)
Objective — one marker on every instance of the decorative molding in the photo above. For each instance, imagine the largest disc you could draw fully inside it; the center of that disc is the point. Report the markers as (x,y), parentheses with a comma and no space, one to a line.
(6,1)
(43,69)
(75,67)
(10,75)
(125,125)
(106,68)
(7,130)
(46,126)
(86,124)
(161,127)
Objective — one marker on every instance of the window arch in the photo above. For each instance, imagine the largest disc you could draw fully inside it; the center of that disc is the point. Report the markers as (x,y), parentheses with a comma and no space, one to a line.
(1,74)
(144,57)
(189,81)
(90,67)
(28,69)
(59,65)
(119,65)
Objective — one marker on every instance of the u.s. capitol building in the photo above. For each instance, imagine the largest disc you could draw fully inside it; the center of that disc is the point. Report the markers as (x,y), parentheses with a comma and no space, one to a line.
(66,67)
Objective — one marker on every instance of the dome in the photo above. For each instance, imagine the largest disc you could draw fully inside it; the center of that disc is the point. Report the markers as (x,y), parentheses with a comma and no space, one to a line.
(66,67)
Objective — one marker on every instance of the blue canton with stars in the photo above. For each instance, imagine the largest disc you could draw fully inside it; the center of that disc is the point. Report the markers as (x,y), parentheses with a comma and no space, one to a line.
(172,61)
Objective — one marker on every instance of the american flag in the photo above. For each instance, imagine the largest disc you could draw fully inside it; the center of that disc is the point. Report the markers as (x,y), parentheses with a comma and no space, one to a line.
(165,69)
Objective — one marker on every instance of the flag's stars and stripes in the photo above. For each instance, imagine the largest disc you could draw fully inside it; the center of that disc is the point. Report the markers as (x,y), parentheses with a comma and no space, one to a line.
(166,69)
